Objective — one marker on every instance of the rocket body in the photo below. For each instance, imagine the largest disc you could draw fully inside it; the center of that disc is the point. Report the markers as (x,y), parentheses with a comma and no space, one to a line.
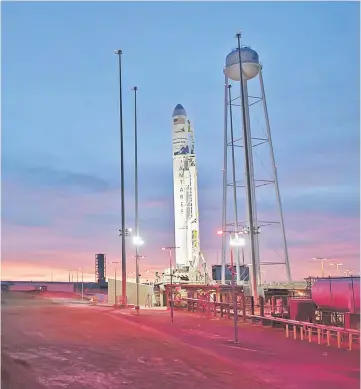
(185,190)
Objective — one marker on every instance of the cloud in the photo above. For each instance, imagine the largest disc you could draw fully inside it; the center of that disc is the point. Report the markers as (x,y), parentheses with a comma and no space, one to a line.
(58,226)
(76,226)
(61,198)
(65,180)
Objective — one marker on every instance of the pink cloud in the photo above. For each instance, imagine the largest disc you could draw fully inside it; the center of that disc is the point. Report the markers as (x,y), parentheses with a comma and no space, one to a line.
(82,225)
(79,227)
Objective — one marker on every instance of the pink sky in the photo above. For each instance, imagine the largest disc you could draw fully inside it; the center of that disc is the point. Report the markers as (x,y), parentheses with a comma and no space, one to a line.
(76,227)
(60,122)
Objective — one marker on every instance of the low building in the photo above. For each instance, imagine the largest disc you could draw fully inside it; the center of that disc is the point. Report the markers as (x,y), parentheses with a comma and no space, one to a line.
(146,293)
(28,286)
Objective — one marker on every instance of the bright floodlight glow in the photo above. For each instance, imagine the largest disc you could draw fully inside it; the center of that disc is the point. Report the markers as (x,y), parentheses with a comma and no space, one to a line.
(138,241)
(320,259)
(220,232)
(237,241)
(129,229)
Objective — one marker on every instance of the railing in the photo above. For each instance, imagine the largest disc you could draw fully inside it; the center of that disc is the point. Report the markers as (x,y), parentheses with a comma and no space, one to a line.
(308,330)
(225,309)
(297,329)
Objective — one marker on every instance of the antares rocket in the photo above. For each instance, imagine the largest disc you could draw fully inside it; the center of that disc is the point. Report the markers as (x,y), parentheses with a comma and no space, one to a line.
(185,192)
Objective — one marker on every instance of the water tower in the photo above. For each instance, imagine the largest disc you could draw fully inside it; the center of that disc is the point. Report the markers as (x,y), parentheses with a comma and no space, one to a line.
(246,59)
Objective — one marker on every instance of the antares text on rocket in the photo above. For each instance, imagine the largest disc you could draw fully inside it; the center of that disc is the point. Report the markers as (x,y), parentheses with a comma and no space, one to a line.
(185,190)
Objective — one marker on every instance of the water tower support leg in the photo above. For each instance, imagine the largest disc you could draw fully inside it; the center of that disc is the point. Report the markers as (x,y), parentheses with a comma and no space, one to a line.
(275,177)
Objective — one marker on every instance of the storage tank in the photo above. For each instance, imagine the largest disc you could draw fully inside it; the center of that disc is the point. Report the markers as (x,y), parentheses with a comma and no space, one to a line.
(337,294)
(250,64)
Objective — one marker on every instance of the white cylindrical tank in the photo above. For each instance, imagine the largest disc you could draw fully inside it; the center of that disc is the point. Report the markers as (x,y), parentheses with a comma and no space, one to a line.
(250,64)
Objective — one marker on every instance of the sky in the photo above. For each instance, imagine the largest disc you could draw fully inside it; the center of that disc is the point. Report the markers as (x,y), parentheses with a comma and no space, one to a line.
(60,128)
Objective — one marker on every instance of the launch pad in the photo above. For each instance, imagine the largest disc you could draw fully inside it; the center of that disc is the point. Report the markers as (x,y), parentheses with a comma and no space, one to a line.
(241,66)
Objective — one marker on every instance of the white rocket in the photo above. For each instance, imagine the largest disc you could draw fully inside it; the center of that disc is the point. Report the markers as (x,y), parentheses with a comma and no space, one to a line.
(185,191)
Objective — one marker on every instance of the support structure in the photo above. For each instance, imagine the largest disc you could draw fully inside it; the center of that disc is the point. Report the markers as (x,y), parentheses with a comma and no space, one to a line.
(242,65)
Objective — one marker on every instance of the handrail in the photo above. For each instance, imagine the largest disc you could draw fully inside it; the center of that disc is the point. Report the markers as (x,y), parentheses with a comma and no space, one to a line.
(279,319)
(307,324)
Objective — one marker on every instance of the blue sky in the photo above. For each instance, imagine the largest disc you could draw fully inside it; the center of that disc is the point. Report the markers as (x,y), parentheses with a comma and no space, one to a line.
(60,139)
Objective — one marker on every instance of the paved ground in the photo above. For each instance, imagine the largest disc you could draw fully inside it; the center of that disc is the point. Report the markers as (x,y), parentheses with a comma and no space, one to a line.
(80,347)
(86,347)
(264,351)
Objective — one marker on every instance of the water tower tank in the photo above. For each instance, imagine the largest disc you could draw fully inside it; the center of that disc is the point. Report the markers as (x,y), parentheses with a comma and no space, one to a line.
(250,64)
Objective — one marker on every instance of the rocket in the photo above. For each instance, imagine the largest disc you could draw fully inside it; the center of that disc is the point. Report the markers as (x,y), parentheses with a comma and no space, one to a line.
(185,191)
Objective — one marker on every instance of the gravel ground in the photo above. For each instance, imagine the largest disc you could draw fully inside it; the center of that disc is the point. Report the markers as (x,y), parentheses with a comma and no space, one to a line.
(49,345)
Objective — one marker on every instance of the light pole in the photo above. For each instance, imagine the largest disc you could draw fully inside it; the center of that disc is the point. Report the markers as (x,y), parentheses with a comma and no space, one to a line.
(115,283)
(127,233)
(236,241)
(137,241)
(82,283)
(124,259)
(338,265)
(322,260)
(170,248)
(71,276)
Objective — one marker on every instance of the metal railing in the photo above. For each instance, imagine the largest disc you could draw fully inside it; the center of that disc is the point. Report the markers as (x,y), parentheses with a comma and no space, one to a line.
(325,334)
(293,328)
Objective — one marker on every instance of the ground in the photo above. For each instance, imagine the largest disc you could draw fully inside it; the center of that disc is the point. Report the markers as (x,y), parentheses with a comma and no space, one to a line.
(49,345)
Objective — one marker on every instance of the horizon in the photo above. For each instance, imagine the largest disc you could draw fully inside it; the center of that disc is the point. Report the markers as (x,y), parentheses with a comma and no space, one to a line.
(60,131)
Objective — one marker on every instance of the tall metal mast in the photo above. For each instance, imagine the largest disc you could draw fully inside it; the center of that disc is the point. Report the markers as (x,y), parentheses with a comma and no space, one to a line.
(124,252)
(248,179)
(224,199)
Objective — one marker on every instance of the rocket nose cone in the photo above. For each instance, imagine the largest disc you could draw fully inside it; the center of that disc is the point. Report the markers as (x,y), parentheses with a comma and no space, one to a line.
(179,111)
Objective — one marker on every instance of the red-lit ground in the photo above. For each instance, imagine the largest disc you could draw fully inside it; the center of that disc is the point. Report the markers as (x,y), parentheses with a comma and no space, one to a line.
(86,347)
(92,347)
(262,351)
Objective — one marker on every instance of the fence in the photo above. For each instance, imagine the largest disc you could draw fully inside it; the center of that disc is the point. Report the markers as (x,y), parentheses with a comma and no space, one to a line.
(296,329)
